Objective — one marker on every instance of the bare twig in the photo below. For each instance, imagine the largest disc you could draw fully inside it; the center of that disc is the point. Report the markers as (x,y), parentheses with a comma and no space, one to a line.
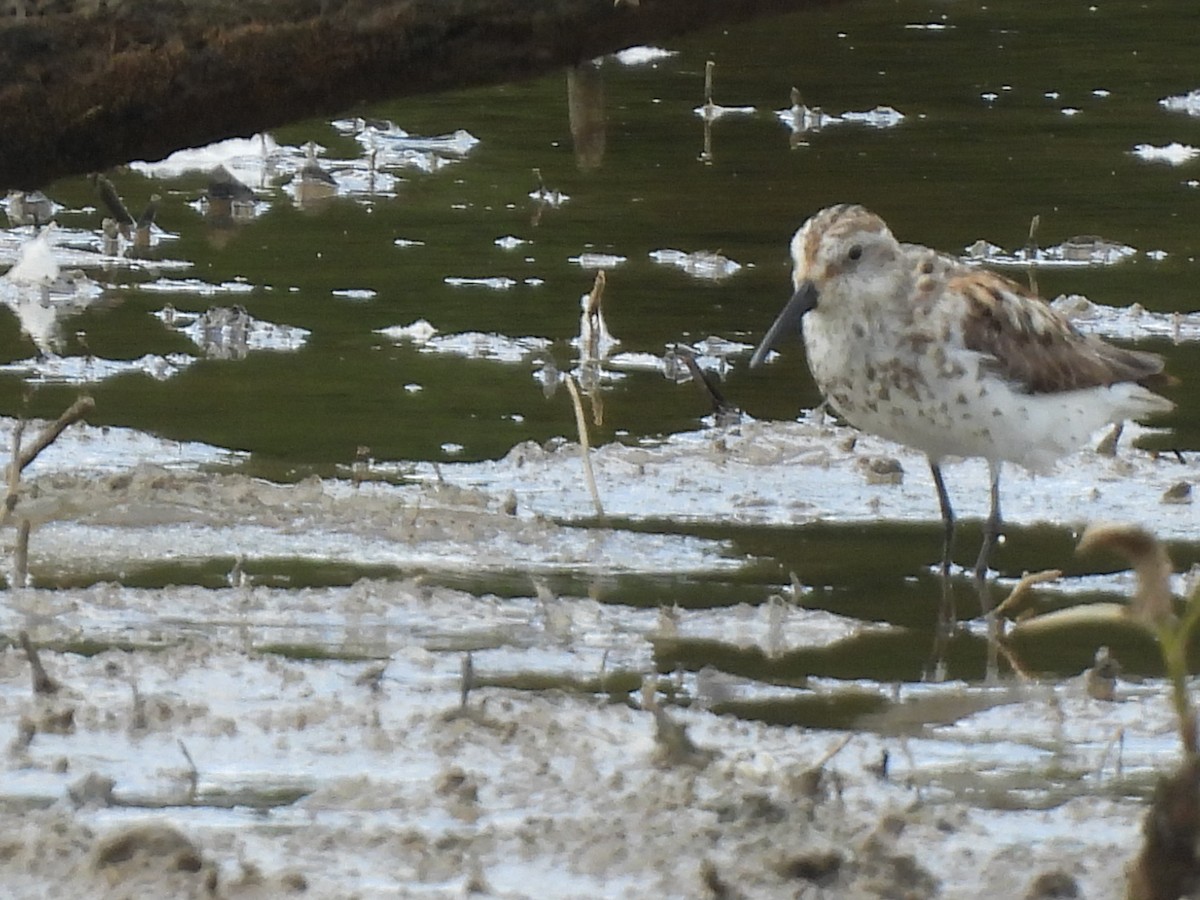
(13,469)
(1152,603)
(1021,589)
(22,457)
(468,680)
(137,721)
(1031,249)
(833,751)
(809,781)
(584,447)
(595,300)
(1116,748)
(193,772)
(721,407)
(112,200)
(21,556)
(50,433)
(42,683)
(1031,241)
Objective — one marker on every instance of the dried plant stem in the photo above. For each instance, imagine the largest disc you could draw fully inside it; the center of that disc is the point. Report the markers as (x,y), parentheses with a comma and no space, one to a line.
(833,751)
(1168,865)
(1031,252)
(1021,590)
(1116,746)
(22,457)
(1174,642)
(468,680)
(585,449)
(193,772)
(14,469)
(595,300)
(42,682)
(21,555)
(50,433)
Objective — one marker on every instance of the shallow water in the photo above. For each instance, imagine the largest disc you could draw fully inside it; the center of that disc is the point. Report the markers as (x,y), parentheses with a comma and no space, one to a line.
(368,463)
(957,124)
(958,168)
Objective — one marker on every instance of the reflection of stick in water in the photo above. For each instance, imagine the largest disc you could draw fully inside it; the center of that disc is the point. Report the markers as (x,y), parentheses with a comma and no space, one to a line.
(594,344)
(585,109)
(585,449)
(1031,252)
(593,325)
(706,155)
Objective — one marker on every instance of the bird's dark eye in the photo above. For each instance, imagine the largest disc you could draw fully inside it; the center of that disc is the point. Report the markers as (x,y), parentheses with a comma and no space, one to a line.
(855,252)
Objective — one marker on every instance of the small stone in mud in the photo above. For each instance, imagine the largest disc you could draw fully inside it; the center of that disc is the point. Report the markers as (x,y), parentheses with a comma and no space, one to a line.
(818,866)
(718,889)
(1108,445)
(92,790)
(1055,885)
(509,506)
(754,807)
(673,746)
(1179,492)
(152,842)
(56,721)
(901,876)
(880,769)
(810,783)
(476,882)
(372,678)
(294,882)
(882,470)
(454,782)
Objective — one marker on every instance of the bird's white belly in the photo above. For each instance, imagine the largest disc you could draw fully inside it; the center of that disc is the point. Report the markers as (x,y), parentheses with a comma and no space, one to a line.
(944,402)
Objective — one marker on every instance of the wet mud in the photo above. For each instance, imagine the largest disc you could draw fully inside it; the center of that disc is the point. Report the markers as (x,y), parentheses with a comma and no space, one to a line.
(395,737)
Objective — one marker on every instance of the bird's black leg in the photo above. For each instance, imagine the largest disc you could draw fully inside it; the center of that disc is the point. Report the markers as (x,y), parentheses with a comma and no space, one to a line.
(936,671)
(947,517)
(992,529)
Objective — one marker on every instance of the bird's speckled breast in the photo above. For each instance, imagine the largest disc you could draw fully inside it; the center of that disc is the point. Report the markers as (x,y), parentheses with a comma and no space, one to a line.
(904,381)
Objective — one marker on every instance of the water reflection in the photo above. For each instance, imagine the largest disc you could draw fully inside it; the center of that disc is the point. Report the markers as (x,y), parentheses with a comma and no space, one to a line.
(427,297)
(585,110)
(29,208)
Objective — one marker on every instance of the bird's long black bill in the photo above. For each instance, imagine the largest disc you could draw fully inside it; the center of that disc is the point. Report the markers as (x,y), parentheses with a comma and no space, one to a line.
(802,301)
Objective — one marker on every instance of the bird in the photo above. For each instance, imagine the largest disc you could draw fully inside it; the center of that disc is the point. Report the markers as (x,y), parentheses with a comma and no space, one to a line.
(950,359)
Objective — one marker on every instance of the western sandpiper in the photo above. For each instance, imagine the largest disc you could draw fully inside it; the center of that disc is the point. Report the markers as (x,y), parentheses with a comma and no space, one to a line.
(952,360)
